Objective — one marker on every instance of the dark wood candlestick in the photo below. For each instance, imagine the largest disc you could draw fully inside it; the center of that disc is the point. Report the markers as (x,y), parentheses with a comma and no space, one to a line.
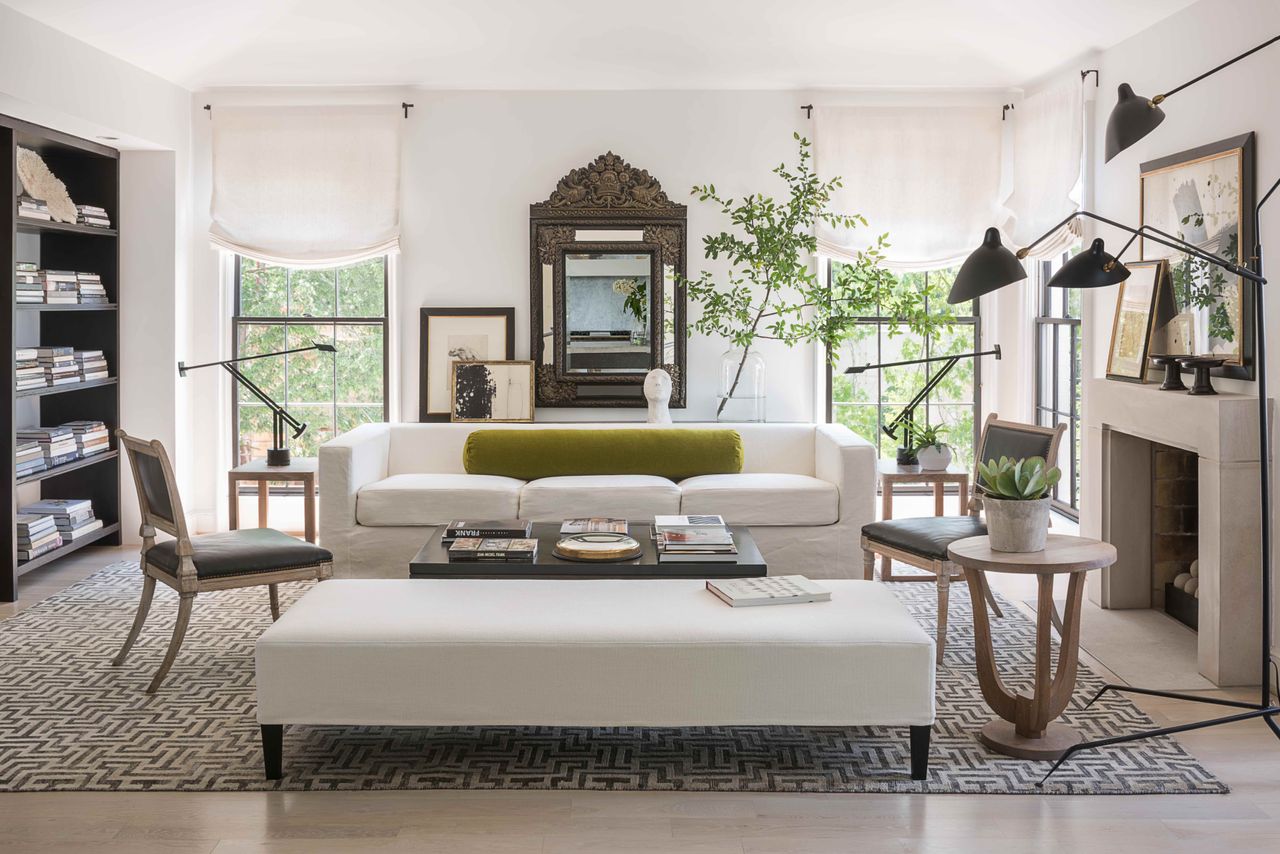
(1201,365)
(1172,372)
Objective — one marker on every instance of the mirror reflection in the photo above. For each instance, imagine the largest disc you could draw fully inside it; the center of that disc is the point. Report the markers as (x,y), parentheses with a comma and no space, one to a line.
(607,312)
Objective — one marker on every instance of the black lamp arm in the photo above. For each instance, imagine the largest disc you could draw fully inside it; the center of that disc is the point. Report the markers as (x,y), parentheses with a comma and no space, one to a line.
(907,415)
(183,367)
(1212,71)
(1155,235)
(277,410)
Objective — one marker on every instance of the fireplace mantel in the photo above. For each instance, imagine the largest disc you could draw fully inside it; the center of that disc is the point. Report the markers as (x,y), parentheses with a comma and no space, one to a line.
(1222,430)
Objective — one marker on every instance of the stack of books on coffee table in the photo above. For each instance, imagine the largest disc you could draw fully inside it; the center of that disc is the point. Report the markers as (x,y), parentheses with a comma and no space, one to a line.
(693,539)
(490,541)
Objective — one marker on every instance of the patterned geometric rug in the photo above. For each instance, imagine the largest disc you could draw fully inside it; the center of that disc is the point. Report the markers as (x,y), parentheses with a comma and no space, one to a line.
(71,721)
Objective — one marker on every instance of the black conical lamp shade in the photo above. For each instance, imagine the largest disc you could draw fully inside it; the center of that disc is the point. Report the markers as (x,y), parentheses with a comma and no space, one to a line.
(1093,268)
(1133,117)
(988,268)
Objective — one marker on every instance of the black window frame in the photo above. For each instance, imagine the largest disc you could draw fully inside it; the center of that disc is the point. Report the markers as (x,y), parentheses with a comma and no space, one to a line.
(239,320)
(1059,327)
(974,320)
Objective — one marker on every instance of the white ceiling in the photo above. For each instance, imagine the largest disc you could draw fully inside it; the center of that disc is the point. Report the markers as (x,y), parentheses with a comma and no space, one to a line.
(600,44)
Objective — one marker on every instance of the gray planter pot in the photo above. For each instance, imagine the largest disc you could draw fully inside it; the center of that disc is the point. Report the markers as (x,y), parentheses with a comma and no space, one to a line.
(1016,526)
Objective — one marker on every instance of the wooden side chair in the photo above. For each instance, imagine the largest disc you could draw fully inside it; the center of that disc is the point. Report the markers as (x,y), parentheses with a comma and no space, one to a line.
(193,565)
(923,542)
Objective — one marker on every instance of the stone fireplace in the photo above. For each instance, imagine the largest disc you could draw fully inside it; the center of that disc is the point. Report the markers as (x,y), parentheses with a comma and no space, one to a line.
(1169,479)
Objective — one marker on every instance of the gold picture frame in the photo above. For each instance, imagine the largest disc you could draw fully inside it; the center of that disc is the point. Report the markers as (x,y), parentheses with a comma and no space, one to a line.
(1134,326)
(491,391)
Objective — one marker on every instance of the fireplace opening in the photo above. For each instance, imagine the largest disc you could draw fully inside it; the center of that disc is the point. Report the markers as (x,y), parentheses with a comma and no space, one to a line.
(1175,543)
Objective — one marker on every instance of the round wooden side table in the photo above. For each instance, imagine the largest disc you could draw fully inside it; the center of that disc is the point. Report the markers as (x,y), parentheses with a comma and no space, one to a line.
(1027,728)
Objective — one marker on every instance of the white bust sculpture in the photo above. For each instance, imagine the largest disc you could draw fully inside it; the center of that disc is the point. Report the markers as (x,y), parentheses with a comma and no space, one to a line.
(657,390)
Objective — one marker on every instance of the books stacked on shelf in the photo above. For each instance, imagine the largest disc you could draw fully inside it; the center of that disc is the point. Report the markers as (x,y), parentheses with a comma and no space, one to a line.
(28,372)
(493,550)
(37,535)
(594,525)
(487,529)
(30,208)
(58,444)
(90,364)
(27,287)
(91,437)
(73,516)
(60,287)
(28,459)
(693,539)
(59,363)
(92,215)
(772,590)
(90,289)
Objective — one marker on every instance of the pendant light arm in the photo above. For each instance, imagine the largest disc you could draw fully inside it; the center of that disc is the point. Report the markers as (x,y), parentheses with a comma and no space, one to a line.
(1212,71)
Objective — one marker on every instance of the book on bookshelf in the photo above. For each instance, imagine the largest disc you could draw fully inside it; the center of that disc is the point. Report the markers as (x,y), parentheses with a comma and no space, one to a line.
(770,590)
(492,549)
(92,215)
(92,437)
(31,208)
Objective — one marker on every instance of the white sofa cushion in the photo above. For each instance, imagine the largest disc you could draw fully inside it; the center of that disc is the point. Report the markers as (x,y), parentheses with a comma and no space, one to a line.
(635,497)
(762,499)
(437,499)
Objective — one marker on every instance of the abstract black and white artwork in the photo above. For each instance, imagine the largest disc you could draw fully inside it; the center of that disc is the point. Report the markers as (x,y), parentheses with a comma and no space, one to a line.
(492,391)
(1205,197)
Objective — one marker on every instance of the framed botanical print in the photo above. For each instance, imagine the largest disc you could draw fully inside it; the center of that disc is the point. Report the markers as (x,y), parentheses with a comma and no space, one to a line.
(492,391)
(1134,325)
(1205,196)
(448,335)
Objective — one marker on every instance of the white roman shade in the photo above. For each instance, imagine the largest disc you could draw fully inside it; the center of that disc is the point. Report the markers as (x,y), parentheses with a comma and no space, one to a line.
(927,176)
(306,186)
(1048,144)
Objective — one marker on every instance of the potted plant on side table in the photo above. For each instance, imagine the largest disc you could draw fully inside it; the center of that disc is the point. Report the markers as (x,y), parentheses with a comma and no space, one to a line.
(930,451)
(1015,500)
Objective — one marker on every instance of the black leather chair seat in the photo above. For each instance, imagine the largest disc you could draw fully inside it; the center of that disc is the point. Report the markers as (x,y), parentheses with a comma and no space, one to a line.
(928,536)
(240,553)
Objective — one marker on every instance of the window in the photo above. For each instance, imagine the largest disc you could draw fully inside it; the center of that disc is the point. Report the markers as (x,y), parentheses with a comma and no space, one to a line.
(1058,377)
(866,402)
(279,308)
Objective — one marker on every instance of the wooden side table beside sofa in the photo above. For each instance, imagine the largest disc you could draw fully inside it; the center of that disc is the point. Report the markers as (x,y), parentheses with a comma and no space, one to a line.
(1026,728)
(301,469)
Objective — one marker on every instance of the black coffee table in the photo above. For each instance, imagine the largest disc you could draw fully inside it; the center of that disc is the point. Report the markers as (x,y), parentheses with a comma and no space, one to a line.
(433,561)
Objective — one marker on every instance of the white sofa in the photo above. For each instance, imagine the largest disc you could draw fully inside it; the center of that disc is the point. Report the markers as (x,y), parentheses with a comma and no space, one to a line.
(805,491)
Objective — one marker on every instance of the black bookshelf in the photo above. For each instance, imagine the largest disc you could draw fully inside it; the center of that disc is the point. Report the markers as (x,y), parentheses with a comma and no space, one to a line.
(91,173)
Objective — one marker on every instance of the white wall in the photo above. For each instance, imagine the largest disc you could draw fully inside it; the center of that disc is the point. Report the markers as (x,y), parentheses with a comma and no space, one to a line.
(54,80)
(1240,99)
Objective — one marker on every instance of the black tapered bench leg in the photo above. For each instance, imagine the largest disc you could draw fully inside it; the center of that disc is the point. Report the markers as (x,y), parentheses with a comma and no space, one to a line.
(919,752)
(273,750)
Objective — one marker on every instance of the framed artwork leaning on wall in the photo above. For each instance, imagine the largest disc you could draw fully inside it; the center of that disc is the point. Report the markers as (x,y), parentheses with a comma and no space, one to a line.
(448,335)
(1137,320)
(492,390)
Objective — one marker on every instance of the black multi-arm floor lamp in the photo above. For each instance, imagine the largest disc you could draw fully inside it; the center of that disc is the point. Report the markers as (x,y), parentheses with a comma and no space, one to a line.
(278,453)
(992,266)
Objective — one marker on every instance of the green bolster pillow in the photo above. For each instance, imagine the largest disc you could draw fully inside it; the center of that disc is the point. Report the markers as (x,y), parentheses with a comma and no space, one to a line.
(671,453)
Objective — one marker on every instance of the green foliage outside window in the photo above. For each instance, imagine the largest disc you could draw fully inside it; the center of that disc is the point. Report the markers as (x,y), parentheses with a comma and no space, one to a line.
(281,308)
(866,402)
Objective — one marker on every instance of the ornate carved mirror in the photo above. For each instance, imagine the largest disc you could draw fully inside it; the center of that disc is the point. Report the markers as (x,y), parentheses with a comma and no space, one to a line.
(605,307)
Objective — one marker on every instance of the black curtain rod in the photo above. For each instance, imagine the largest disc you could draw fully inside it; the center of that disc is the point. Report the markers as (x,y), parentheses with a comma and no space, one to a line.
(208,108)
(808,110)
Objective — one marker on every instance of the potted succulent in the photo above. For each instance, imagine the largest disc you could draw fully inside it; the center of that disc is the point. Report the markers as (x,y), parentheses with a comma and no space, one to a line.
(1015,499)
(930,451)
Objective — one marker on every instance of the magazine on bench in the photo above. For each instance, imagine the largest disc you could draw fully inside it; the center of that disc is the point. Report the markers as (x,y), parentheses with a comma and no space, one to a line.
(770,590)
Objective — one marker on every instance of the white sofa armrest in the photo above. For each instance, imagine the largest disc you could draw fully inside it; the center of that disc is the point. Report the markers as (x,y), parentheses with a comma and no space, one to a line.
(348,463)
(846,459)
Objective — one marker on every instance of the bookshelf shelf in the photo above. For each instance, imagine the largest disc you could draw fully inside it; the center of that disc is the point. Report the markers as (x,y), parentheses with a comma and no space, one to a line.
(62,389)
(40,306)
(112,530)
(35,226)
(91,173)
(70,467)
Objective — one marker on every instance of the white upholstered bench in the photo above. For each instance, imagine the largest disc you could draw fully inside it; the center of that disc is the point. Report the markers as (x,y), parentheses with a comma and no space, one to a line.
(660,653)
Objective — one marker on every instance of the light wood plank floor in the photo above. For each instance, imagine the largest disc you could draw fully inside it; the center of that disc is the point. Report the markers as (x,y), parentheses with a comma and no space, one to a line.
(1245,755)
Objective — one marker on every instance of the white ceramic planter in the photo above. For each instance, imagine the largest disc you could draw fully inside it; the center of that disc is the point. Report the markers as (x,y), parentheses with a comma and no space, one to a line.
(1016,526)
(934,457)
